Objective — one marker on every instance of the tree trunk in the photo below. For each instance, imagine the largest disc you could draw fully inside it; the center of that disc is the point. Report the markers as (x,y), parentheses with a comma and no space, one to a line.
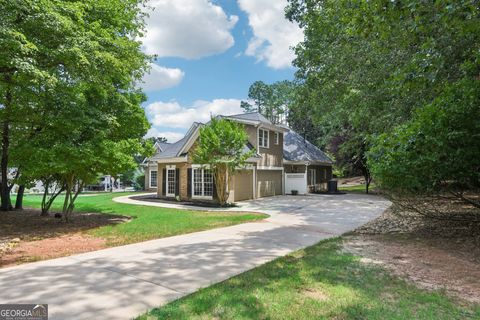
(70,198)
(4,188)
(220,184)
(19,200)
(47,203)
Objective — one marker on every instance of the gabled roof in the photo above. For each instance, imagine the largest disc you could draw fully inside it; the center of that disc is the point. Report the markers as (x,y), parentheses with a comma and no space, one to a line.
(171,150)
(256,119)
(251,116)
(297,149)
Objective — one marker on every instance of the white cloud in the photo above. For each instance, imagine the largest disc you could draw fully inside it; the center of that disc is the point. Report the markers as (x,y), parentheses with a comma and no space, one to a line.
(173,115)
(171,136)
(188,29)
(273,34)
(161,78)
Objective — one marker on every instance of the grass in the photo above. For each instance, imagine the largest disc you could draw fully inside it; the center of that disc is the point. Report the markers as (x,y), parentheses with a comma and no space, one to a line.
(357,188)
(319,282)
(147,222)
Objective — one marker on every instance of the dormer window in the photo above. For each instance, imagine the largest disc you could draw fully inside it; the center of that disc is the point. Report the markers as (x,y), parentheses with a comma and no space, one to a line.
(263,138)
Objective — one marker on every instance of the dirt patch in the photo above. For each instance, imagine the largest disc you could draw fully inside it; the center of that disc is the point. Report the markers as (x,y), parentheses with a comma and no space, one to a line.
(433,254)
(26,237)
(352,181)
(29,251)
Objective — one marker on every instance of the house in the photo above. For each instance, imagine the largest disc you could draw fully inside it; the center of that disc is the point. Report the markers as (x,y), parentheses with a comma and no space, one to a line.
(282,159)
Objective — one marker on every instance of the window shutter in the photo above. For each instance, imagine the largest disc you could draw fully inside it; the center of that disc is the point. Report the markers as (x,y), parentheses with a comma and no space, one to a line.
(164,182)
(189,182)
(177,182)
(214,189)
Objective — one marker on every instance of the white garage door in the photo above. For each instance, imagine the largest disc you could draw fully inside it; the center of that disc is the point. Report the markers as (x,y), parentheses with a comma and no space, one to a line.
(296,181)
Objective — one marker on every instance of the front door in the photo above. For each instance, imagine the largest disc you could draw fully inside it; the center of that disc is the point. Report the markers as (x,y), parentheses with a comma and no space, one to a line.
(170,183)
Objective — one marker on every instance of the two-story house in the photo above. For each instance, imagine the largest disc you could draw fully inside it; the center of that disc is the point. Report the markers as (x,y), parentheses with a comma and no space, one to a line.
(171,173)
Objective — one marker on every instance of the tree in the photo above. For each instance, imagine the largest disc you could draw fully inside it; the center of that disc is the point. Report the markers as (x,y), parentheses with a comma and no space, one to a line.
(366,67)
(221,146)
(271,101)
(84,51)
(437,152)
(157,139)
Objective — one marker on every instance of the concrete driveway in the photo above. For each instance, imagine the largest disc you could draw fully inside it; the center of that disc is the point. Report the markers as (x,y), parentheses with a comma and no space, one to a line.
(123,282)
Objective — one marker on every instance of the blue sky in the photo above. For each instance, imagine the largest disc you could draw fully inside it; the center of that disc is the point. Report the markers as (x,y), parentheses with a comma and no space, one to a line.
(209,53)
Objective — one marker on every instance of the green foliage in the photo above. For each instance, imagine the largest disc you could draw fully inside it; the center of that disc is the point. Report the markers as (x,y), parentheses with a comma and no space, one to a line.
(366,67)
(271,100)
(438,148)
(68,86)
(221,145)
(140,182)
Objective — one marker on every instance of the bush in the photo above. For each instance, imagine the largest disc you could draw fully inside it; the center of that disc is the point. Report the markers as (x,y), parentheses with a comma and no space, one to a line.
(139,183)
(437,152)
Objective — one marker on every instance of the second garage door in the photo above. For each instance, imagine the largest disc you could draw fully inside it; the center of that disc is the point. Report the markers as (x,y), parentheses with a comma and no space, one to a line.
(243,185)
(269,183)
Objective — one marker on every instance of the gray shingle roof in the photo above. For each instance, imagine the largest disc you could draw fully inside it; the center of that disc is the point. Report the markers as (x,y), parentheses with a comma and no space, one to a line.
(171,150)
(251,116)
(295,148)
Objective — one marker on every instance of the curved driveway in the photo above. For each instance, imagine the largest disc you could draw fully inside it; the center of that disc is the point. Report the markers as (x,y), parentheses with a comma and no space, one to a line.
(123,282)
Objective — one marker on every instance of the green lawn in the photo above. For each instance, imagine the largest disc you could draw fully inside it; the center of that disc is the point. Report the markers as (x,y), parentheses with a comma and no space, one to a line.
(319,282)
(148,222)
(357,189)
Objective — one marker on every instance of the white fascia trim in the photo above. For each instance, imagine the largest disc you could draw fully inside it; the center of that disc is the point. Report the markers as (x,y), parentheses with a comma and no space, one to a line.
(295,162)
(172,160)
(289,162)
(253,123)
(254,159)
(190,141)
(273,127)
(269,168)
(203,166)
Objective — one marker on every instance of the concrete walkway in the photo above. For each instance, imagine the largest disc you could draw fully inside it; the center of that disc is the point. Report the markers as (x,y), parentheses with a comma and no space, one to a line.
(123,282)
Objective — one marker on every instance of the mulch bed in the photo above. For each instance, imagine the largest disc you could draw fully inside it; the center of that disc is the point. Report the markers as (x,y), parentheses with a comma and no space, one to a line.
(198,203)
(26,236)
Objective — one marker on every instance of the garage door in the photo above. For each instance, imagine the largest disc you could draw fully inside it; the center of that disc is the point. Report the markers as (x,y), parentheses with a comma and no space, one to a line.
(269,183)
(243,185)
(296,181)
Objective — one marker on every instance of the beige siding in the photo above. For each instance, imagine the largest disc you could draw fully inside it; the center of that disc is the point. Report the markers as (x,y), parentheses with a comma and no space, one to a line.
(252,135)
(269,183)
(273,155)
(243,185)
(183,178)
(147,179)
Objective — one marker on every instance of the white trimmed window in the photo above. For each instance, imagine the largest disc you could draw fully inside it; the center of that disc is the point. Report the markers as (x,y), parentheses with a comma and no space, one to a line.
(170,181)
(153,178)
(277,138)
(263,138)
(202,183)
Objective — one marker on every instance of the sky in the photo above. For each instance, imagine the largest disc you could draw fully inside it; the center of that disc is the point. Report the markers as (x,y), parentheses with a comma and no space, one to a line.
(209,52)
